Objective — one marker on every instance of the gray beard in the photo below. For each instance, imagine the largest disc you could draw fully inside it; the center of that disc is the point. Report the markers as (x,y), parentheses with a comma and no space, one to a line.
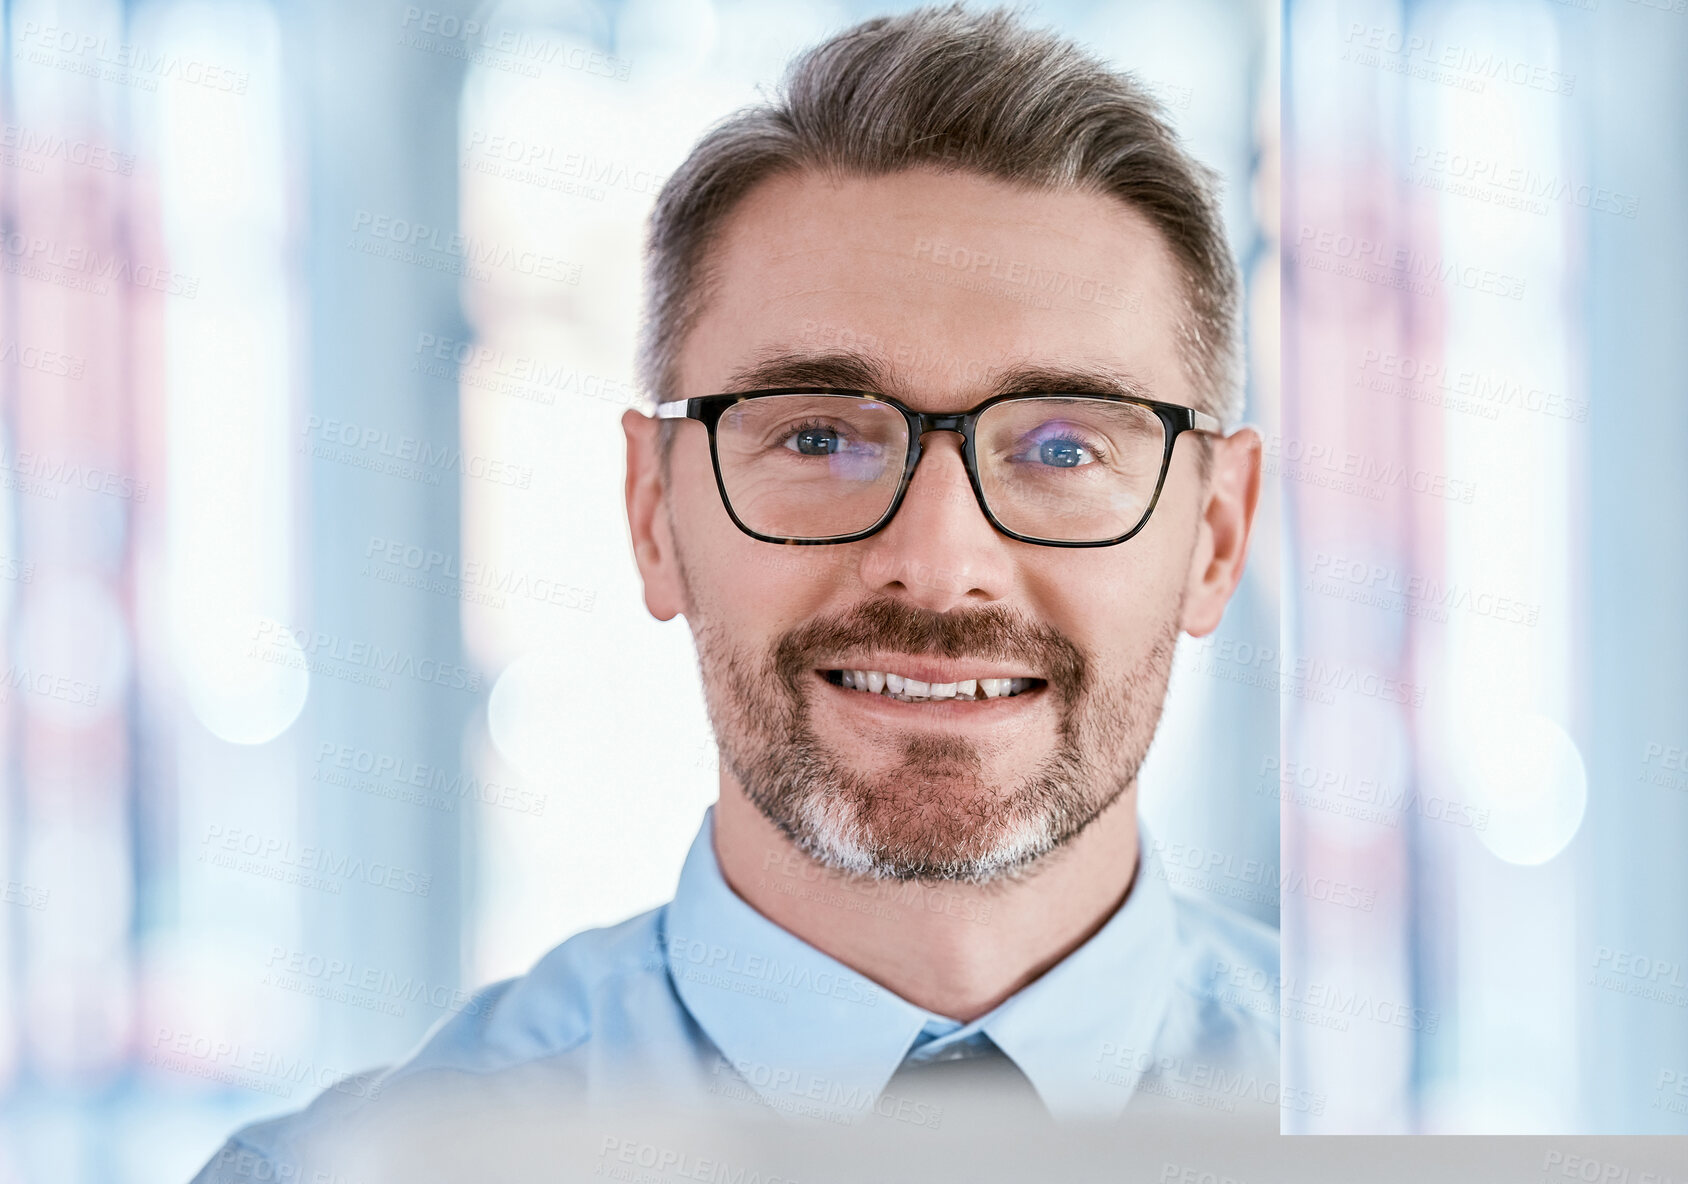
(886,826)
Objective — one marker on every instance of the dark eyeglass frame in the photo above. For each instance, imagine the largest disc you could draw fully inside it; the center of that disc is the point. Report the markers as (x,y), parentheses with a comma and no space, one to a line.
(708,409)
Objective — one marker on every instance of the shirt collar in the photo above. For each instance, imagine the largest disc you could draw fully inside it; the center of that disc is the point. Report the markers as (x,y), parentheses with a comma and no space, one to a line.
(786,1015)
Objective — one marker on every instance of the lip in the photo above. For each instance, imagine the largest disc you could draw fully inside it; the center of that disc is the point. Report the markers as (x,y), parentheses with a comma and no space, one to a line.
(946,711)
(929,670)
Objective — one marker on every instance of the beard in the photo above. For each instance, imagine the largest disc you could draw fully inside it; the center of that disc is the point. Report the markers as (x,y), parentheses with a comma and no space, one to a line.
(932,814)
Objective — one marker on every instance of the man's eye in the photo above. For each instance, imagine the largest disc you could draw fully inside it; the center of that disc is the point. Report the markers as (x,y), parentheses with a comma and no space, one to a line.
(1060,452)
(815,441)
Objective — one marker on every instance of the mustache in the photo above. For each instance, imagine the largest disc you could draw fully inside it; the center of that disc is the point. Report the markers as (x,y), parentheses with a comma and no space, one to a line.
(990,633)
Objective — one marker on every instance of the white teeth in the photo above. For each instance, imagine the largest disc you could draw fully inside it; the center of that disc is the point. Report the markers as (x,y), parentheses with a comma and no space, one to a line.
(912,689)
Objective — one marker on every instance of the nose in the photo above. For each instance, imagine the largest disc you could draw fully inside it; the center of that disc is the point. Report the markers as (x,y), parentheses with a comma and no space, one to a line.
(939,551)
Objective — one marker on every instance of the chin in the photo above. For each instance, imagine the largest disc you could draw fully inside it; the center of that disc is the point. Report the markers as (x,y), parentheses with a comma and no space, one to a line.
(887,839)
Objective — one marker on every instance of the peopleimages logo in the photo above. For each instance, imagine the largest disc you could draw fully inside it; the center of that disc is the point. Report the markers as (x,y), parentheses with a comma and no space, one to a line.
(404,456)
(469,579)
(1496,173)
(789,1090)
(791,876)
(1399,266)
(1463,388)
(618,1157)
(1191,866)
(474,253)
(387,775)
(1205,1083)
(1375,799)
(1432,53)
(50,472)
(545,163)
(509,49)
(1597,1171)
(42,361)
(1290,995)
(233,1063)
(124,61)
(1309,460)
(498,371)
(342,980)
(1665,766)
(88,268)
(1232,659)
(26,896)
(1346,573)
(18,677)
(721,962)
(312,866)
(1037,282)
(333,656)
(1640,966)
(44,146)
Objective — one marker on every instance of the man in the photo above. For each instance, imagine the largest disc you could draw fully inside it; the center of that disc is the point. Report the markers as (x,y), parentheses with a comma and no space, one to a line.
(942,346)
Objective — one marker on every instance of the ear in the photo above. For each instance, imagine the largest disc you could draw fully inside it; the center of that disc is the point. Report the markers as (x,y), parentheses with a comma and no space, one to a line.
(1216,561)
(647,517)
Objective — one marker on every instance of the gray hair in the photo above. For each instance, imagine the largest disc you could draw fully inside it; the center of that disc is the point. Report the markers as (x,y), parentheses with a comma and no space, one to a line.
(961,91)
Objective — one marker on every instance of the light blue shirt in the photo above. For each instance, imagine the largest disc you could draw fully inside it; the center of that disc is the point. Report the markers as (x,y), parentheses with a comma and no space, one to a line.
(705,1001)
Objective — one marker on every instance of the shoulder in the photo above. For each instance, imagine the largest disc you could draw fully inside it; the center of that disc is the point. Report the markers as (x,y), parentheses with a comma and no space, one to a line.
(595,976)
(1227,966)
(554,1007)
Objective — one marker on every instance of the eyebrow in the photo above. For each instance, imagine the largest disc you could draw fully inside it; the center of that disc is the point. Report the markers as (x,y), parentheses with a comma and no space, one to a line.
(853,370)
(840,368)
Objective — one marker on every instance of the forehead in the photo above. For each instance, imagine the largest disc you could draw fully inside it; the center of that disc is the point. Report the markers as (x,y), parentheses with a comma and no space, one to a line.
(944,283)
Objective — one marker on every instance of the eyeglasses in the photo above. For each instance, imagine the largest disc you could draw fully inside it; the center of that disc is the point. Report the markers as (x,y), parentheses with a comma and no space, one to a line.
(810,465)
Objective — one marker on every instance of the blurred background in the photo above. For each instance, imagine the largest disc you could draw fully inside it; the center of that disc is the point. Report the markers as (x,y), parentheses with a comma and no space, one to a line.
(328,693)
(326,690)
(1485,908)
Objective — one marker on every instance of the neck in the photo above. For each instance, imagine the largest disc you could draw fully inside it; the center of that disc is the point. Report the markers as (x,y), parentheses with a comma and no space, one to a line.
(955,949)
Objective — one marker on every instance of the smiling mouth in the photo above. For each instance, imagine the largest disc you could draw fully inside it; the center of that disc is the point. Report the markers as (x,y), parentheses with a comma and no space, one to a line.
(887,685)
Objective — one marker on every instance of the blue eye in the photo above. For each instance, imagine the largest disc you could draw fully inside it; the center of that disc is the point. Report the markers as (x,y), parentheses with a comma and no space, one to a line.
(816,441)
(1058,444)
(1063,454)
(1058,452)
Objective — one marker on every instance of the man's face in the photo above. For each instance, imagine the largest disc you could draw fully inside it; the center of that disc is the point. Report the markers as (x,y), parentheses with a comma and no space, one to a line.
(817,282)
